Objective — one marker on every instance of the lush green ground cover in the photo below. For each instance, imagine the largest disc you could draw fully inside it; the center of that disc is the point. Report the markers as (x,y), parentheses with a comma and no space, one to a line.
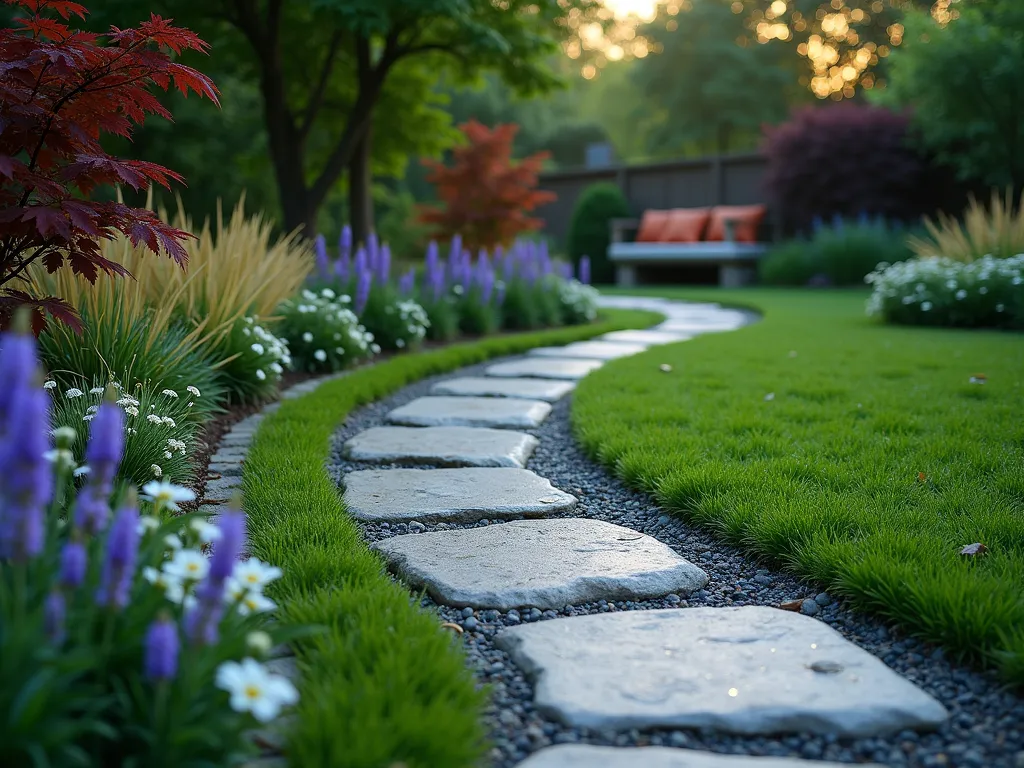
(872,464)
(383,683)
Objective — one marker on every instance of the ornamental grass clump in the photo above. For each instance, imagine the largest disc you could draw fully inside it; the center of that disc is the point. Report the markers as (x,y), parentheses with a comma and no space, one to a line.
(996,231)
(120,642)
(987,293)
(323,333)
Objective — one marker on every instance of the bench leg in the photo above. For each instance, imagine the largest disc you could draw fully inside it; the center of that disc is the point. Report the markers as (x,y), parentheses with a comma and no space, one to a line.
(734,276)
(625,275)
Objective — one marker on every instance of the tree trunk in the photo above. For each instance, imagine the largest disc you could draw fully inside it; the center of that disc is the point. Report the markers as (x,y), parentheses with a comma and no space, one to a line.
(360,188)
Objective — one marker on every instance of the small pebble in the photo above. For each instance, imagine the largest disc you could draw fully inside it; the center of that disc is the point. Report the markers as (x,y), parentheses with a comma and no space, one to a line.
(809,607)
(823,599)
(470,624)
(467,612)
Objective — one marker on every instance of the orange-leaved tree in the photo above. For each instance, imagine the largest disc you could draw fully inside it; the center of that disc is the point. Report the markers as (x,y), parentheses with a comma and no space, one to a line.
(486,196)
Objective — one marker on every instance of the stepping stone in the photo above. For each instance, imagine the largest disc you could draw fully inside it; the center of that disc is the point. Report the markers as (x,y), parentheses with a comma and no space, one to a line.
(548,390)
(692,327)
(463,495)
(471,412)
(586,756)
(593,350)
(443,446)
(645,337)
(544,369)
(540,563)
(750,669)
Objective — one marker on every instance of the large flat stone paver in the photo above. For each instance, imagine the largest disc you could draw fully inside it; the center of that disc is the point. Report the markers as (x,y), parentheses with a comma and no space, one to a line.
(443,446)
(465,495)
(650,338)
(548,390)
(538,368)
(587,756)
(540,563)
(590,350)
(750,669)
(695,327)
(445,411)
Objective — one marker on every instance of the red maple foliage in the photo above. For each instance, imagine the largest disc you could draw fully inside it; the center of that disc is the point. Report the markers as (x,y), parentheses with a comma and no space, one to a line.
(487,197)
(60,89)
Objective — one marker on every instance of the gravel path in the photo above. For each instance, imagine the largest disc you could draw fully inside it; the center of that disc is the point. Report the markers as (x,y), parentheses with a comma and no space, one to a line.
(986,725)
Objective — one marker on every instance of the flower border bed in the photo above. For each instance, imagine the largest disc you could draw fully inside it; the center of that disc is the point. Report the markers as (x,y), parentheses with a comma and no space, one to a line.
(382,684)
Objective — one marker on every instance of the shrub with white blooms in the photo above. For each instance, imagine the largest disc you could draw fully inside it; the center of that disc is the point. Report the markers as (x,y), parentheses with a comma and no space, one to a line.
(123,642)
(579,301)
(323,332)
(986,293)
(256,361)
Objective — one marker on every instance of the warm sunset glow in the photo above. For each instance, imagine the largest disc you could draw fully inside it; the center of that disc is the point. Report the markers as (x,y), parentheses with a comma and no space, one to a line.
(645,9)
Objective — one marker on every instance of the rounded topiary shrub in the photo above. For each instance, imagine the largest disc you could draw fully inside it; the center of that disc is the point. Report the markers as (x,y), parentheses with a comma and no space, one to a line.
(588,229)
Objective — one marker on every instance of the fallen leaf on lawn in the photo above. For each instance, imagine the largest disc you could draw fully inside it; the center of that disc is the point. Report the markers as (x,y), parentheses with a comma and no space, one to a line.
(972,550)
(792,605)
(665,368)
(978,378)
(769,396)
(922,477)
(453,627)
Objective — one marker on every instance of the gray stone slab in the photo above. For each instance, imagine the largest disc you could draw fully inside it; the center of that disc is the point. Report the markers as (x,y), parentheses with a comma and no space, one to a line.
(467,494)
(694,328)
(538,368)
(750,669)
(443,446)
(540,563)
(651,338)
(590,350)
(587,756)
(446,411)
(226,468)
(548,390)
(223,487)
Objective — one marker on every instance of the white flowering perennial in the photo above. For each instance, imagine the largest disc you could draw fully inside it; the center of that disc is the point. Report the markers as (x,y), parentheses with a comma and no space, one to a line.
(578,300)
(267,353)
(988,292)
(323,333)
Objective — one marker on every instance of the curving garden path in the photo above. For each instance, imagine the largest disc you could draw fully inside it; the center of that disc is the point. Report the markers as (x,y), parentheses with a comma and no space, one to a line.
(601,639)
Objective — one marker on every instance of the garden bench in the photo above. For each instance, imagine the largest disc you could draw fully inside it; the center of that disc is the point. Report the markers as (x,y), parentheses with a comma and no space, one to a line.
(723,238)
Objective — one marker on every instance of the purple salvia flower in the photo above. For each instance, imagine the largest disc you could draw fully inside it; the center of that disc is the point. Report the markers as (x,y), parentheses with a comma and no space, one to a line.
(486,281)
(361,262)
(54,617)
(455,251)
(565,270)
(342,268)
(432,260)
(73,562)
(323,261)
(383,271)
(26,477)
(103,457)
(407,283)
(18,368)
(345,242)
(203,620)
(584,270)
(161,652)
(364,282)
(372,251)
(119,565)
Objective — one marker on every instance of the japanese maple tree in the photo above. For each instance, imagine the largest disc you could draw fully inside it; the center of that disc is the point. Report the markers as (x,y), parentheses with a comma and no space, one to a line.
(60,90)
(487,197)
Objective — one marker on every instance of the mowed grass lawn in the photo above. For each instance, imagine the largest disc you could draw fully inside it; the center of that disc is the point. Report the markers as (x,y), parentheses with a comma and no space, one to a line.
(854,453)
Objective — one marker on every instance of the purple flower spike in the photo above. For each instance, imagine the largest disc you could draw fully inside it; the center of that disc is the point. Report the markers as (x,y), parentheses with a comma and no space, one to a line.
(73,562)
(407,283)
(364,281)
(342,267)
(26,478)
(486,281)
(362,262)
(455,252)
(384,263)
(228,546)
(103,456)
(54,616)
(584,270)
(565,270)
(345,242)
(162,647)
(323,261)
(373,251)
(18,369)
(119,565)
(203,621)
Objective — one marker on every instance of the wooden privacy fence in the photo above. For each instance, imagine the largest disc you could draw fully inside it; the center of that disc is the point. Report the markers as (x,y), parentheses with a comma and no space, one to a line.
(696,183)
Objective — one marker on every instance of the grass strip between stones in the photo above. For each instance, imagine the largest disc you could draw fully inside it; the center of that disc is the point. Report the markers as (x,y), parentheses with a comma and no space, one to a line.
(856,454)
(383,684)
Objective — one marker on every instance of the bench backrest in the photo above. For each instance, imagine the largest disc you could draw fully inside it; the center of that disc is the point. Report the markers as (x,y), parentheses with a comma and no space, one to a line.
(733,223)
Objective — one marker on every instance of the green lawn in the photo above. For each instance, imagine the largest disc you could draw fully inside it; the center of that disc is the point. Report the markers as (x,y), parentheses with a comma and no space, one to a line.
(382,684)
(870,467)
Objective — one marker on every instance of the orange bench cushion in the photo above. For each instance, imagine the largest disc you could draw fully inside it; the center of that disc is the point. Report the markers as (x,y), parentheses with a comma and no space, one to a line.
(686,225)
(652,227)
(747,219)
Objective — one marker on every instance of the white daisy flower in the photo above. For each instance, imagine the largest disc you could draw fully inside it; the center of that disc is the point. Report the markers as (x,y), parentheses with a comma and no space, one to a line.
(253,689)
(73,393)
(255,602)
(207,531)
(187,565)
(171,586)
(320,355)
(146,524)
(306,337)
(254,574)
(166,494)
